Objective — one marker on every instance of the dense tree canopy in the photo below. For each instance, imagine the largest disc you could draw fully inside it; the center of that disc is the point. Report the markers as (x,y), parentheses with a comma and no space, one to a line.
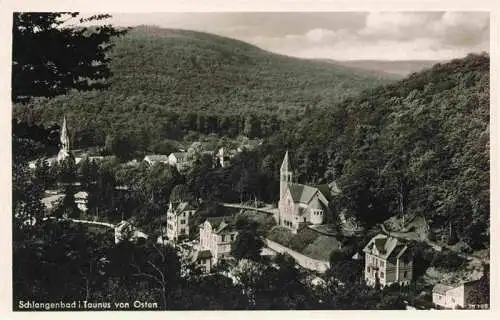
(51,56)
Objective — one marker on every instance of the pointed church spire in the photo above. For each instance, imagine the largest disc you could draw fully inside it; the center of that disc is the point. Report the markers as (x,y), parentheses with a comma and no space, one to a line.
(64,151)
(284,165)
(64,136)
(285,176)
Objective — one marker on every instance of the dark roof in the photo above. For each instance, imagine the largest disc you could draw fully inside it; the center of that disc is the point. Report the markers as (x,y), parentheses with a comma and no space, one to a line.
(301,193)
(204,254)
(220,224)
(387,247)
(183,206)
(325,190)
(380,244)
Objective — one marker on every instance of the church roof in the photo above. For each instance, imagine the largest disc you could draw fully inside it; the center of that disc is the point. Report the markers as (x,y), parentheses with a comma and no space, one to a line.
(326,191)
(301,192)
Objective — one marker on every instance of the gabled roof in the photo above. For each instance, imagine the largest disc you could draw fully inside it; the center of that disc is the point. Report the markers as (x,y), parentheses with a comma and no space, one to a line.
(385,247)
(301,192)
(220,224)
(325,190)
(81,195)
(183,206)
(203,254)
(441,288)
(156,157)
(179,155)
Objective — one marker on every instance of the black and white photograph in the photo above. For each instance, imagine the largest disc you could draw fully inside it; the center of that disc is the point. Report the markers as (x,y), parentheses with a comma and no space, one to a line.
(192,161)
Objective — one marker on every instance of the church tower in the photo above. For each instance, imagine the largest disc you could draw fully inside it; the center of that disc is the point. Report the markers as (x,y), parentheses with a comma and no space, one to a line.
(64,151)
(285,176)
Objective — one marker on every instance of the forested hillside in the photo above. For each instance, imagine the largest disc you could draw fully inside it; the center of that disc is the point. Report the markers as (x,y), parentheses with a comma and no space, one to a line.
(167,83)
(419,147)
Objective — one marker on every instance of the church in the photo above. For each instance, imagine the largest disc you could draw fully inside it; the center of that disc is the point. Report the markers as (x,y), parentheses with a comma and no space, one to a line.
(300,204)
(64,152)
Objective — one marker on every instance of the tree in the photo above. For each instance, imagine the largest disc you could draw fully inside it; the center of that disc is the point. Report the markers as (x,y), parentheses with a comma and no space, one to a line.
(248,244)
(161,266)
(43,174)
(50,55)
(67,170)
(344,269)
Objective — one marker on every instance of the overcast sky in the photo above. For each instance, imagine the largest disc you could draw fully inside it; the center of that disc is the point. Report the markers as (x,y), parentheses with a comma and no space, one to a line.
(339,35)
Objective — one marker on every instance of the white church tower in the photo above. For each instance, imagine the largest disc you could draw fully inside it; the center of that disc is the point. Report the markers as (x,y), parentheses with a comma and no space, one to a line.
(64,152)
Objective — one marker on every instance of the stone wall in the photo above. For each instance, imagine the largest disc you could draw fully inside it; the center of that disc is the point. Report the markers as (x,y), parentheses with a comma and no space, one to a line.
(302,260)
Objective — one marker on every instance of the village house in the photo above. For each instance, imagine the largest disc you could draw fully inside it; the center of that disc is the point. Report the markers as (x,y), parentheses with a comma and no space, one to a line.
(223,157)
(462,295)
(300,204)
(178,215)
(217,234)
(388,261)
(203,260)
(179,160)
(125,231)
(81,199)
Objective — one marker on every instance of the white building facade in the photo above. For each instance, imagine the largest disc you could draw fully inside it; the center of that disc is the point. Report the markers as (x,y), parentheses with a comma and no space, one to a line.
(217,235)
(178,215)
(387,261)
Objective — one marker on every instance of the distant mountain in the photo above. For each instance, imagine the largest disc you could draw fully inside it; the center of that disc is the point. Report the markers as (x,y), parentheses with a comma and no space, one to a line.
(163,75)
(396,68)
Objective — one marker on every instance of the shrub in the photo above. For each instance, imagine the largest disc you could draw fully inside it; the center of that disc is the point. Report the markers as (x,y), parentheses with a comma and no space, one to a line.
(448,261)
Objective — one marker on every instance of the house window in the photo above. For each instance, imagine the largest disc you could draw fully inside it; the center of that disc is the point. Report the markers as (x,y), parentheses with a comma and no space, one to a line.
(382,263)
(183,231)
(183,221)
(381,274)
(405,274)
(232,237)
(223,238)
